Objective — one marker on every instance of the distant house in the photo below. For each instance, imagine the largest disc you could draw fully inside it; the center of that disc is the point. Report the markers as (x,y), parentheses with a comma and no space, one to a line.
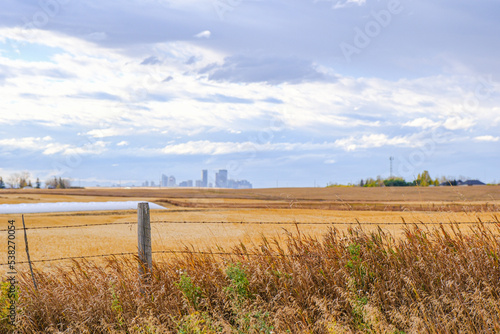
(462,183)
(471,183)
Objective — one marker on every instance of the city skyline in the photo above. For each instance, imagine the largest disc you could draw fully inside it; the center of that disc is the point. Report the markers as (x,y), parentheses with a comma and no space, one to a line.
(221,180)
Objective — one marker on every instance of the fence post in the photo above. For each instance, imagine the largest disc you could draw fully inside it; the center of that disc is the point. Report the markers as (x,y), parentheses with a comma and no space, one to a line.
(28,253)
(144,239)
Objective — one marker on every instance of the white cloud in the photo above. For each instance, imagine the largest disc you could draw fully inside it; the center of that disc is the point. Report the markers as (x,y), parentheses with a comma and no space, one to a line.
(422,122)
(109,132)
(47,146)
(218,148)
(458,123)
(203,34)
(345,3)
(206,147)
(122,143)
(371,141)
(26,143)
(487,138)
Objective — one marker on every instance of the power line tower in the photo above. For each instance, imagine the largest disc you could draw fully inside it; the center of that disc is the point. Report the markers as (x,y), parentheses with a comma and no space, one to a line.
(391,159)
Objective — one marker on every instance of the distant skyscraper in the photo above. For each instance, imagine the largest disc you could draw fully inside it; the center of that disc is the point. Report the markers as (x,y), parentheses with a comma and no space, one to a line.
(164,180)
(204,178)
(188,183)
(221,178)
(171,182)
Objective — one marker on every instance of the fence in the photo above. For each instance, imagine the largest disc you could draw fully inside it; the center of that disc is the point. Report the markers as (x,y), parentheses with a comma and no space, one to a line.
(144,223)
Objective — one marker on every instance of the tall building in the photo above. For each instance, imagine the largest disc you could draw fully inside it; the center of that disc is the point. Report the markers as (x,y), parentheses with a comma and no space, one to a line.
(221,178)
(164,180)
(188,183)
(204,178)
(239,184)
(171,182)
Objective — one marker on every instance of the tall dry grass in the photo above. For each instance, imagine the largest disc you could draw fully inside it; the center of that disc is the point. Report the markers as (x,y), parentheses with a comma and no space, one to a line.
(428,281)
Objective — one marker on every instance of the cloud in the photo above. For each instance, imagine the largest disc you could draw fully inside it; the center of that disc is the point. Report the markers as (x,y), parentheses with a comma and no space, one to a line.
(47,146)
(423,123)
(273,100)
(151,61)
(205,147)
(271,70)
(96,96)
(487,138)
(109,132)
(26,143)
(122,143)
(371,141)
(204,34)
(458,123)
(346,3)
(220,98)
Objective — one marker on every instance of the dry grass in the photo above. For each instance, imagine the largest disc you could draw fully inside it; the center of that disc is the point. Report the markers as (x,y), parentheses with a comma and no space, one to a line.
(427,281)
(57,243)
(390,278)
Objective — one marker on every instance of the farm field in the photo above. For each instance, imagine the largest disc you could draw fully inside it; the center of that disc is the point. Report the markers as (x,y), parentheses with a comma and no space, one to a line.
(337,240)
(213,217)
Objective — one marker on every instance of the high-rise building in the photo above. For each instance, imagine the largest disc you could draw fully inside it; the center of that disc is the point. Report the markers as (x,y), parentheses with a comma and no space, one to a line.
(204,178)
(188,183)
(164,180)
(171,181)
(239,184)
(221,178)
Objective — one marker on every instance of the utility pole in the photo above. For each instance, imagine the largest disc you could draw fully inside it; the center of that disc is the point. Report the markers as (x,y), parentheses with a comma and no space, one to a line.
(391,159)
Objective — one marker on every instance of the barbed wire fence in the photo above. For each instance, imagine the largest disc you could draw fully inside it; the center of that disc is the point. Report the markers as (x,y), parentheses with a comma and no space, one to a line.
(179,252)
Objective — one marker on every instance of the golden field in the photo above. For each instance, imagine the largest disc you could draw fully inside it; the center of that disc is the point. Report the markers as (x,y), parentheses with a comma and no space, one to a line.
(214,216)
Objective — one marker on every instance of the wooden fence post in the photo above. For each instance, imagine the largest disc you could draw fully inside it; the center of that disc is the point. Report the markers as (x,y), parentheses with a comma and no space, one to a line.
(28,253)
(144,239)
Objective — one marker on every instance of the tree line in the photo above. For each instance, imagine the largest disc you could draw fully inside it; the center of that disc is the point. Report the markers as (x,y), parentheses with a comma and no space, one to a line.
(22,180)
(422,180)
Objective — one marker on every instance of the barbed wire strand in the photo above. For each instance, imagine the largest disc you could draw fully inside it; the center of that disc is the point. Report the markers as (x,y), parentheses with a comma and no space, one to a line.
(255,223)
(70,226)
(157,252)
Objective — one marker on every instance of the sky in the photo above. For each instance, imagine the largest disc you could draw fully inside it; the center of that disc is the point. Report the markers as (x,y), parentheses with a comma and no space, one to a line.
(281,93)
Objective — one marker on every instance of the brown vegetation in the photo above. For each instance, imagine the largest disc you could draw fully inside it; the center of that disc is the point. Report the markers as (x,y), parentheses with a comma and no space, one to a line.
(428,281)
(384,276)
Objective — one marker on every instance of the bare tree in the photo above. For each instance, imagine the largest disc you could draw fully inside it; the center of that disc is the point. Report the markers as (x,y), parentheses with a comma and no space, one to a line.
(13,180)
